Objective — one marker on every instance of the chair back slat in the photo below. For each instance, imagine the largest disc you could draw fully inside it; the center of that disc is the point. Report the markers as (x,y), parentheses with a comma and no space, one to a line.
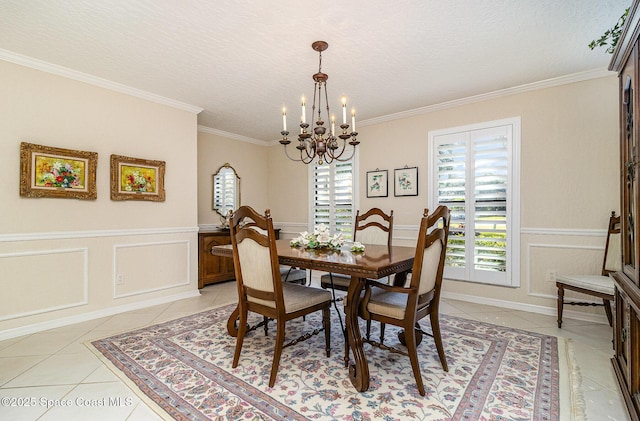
(373,227)
(613,247)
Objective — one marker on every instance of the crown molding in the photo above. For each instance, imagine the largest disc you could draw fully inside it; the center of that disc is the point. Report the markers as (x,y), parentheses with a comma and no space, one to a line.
(206,129)
(543,84)
(94,80)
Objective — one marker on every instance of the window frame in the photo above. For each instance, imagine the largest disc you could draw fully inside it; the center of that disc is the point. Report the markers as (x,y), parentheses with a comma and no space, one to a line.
(469,273)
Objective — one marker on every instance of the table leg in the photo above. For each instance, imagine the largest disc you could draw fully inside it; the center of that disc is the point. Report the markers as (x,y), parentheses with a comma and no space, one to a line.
(232,323)
(359,371)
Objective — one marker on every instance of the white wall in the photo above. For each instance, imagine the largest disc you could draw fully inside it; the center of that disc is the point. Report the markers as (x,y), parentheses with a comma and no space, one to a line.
(59,258)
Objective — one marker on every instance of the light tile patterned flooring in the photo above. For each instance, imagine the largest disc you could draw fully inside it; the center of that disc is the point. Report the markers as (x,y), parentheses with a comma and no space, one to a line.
(55,365)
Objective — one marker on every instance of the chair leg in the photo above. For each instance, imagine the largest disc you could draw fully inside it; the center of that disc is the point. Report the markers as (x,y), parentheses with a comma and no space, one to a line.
(368,328)
(412,349)
(326,323)
(437,338)
(277,351)
(607,309)
(382,326)
(242,330)
(560,304)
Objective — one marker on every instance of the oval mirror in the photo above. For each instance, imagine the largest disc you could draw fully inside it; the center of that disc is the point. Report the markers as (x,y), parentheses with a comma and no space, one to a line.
(226,190)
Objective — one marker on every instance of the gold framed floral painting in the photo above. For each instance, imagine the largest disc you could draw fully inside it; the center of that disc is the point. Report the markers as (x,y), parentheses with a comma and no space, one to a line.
(46,171)
(137,179)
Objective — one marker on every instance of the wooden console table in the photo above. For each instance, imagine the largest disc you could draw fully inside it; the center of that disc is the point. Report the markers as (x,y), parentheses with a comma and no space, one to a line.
(212,268)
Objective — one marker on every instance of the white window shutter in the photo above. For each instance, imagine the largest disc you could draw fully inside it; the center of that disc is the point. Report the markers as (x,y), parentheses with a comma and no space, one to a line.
(474,171)
(333,197)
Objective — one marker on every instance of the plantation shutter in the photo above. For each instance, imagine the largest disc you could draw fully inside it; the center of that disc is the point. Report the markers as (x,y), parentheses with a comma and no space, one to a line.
(333,197)
(473,178)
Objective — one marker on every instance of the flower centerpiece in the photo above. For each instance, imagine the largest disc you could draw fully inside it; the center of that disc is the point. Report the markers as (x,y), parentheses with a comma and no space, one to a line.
(357,247)
(320,238)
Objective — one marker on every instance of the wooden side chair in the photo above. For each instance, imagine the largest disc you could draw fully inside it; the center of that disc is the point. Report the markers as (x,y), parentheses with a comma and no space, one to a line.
(260,286)
(600,286)
(405,305)
(372,227)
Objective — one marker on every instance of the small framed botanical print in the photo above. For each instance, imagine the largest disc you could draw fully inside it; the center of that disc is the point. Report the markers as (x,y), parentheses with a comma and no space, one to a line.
(46,171)
(405,181)
(377,184)
(137,179)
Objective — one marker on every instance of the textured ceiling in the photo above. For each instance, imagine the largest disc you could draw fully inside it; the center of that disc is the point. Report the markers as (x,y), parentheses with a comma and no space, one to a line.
(242,60)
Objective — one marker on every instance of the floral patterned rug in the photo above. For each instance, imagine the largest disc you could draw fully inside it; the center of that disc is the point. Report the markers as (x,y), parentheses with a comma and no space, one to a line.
(184,368)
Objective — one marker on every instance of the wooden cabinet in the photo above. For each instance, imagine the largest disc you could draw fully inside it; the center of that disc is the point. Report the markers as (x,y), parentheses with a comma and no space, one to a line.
(626,341)
(213,269)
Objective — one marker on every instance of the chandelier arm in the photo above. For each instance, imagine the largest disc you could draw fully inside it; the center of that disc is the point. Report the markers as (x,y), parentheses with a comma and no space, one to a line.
(342,149)
(293,159)
(353,152)
(308,147)
(310,157)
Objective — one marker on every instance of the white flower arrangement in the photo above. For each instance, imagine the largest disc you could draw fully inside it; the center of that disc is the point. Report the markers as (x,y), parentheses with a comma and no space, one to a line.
(357,246)
(320,238)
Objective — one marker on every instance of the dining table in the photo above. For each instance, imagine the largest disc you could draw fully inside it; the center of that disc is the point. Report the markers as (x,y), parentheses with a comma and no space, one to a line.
(375,262)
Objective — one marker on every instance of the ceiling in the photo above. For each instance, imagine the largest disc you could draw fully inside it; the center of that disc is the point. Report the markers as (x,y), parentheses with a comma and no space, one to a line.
(242,60)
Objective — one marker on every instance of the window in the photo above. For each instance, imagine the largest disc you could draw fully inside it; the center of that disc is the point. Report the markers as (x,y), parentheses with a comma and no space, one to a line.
(475,172)
(332,194)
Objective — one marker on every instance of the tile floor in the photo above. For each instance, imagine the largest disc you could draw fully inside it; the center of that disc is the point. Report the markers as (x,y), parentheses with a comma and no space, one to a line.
(45,370)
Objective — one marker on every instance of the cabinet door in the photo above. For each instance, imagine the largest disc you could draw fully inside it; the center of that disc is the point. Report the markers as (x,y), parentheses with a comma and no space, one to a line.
(629,163)
(214,268)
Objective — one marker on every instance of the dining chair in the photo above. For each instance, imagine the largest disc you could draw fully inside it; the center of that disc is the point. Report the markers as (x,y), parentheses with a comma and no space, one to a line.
(260,286)
(372,227)
(601,285)
(405,305)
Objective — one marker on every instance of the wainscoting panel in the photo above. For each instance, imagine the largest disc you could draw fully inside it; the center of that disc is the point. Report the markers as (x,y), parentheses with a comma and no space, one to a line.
(560,259)
(47,280)
(147,267)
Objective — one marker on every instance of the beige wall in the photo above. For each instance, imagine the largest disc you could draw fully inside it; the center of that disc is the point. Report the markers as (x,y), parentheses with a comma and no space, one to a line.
(250,162)
(60,258)
(569,180)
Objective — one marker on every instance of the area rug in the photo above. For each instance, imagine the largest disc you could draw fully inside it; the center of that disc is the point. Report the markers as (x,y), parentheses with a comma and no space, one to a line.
(183,369)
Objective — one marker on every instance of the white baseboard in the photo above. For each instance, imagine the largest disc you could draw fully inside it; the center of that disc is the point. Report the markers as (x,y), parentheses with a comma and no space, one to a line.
(531,308)
(65,321)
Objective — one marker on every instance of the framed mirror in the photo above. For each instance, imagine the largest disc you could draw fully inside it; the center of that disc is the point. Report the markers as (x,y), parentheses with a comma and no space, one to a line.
(226,190)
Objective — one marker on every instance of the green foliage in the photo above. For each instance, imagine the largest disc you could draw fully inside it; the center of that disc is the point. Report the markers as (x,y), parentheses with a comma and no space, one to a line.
(611,36)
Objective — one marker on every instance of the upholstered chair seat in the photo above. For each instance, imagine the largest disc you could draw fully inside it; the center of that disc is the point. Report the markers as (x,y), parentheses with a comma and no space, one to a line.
(597,283)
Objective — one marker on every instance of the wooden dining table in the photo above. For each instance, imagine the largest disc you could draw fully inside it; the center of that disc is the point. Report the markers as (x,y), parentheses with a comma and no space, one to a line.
(377,261)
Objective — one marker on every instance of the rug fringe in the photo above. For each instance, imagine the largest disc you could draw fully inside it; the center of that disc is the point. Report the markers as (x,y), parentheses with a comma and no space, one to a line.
(578,406)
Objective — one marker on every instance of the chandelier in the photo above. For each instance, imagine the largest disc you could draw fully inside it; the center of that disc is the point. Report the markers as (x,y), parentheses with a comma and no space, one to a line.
(319,143)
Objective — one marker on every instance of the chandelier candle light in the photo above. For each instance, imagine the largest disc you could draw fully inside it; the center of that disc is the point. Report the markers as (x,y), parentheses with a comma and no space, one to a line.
(320,144)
